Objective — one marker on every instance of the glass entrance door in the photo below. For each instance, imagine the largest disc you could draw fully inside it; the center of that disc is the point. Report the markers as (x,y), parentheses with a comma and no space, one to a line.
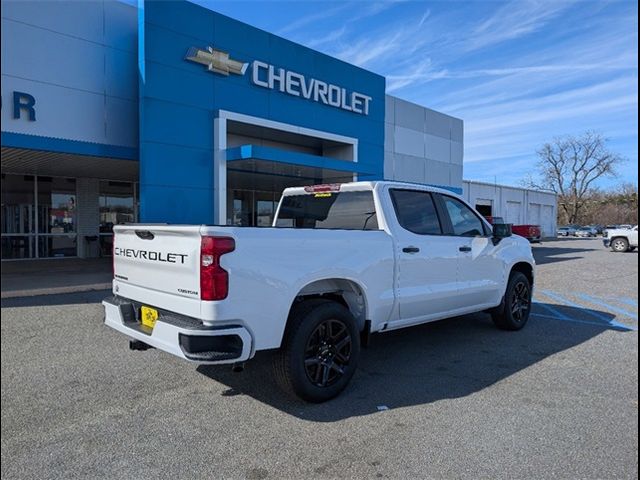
(39,217)
(251,208)
(18,216)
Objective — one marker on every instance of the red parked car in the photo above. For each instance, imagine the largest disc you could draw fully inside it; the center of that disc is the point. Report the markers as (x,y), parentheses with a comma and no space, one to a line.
(533,233)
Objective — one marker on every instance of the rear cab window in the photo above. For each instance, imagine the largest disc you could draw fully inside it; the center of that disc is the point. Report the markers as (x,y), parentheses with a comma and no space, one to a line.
(346,210)
(416,211)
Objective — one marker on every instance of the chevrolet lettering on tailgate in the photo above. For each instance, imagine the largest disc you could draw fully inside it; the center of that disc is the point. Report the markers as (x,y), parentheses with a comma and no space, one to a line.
(150,255)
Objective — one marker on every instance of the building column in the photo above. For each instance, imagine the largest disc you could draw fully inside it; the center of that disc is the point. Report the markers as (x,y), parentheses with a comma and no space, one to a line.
(88,202)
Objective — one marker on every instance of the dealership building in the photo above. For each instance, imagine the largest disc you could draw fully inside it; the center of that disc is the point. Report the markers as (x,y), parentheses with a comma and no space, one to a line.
(170,112)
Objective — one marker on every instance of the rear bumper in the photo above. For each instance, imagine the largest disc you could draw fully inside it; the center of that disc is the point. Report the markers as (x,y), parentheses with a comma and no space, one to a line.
(181,336)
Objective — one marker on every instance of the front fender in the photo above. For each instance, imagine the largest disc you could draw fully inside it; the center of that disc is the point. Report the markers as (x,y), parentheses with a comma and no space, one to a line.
(514,251)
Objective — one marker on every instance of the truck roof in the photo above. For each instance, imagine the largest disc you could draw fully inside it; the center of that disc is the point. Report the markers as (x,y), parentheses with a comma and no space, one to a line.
(368,185)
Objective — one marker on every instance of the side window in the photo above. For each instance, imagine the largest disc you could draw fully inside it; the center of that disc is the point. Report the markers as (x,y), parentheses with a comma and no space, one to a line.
(416,211)
(464,221)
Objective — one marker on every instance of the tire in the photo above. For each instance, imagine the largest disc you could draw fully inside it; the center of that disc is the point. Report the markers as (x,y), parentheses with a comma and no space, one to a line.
(319,352)
(619,245)
(515,309)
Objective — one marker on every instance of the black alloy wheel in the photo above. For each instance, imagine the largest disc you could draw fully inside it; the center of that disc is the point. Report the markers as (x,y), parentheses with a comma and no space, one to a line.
(514,310)
(327,353)
(319,352)
(520,302)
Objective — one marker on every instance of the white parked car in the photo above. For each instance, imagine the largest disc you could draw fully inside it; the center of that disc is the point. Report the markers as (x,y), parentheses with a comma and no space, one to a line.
(340,263)
(621,239)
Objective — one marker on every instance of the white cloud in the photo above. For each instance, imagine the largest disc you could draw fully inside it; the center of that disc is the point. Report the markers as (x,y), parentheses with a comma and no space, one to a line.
(313,18)
(332,36)
(513,20)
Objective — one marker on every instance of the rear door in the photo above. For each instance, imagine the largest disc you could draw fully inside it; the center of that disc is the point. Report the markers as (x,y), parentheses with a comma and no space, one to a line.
(158,258)
(426,259)
(480,270)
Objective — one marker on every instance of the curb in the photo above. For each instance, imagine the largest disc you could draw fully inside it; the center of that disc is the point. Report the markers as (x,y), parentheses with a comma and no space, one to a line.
(56,290)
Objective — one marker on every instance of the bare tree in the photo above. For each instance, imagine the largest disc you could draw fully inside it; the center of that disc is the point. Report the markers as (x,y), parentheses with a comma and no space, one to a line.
(569,165)
(616,205)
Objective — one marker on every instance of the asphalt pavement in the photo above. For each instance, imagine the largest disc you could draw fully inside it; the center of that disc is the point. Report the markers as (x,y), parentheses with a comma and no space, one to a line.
(452,399)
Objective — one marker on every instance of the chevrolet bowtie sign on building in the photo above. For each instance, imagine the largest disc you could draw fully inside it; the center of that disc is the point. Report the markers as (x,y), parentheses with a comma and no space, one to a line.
(216,61)
(289,82)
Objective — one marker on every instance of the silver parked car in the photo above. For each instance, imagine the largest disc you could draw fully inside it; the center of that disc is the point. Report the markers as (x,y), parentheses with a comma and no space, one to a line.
(586,232)
(566,231)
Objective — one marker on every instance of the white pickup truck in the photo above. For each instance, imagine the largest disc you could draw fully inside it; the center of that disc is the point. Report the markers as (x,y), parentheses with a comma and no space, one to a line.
(621,239)
(341,261)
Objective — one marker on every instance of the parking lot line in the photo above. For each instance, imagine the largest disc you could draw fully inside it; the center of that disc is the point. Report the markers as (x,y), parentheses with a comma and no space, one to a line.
(628,301)
(613,324)
(555,313)
(612,308)
(565,301)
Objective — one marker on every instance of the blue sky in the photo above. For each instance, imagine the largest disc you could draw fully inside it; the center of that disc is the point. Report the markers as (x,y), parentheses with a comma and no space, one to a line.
(518,73)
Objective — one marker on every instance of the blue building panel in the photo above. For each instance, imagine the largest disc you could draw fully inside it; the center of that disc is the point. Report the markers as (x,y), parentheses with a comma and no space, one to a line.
(196,167)
(182,17)
(176,124)
(175,204)
(179,99)
(178,86)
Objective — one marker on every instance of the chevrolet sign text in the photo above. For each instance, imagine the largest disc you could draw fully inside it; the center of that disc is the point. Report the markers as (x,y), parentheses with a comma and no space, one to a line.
(296,84)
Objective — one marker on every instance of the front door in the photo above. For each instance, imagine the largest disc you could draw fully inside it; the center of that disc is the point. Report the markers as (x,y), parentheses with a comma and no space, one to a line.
(427,260)
(480,271)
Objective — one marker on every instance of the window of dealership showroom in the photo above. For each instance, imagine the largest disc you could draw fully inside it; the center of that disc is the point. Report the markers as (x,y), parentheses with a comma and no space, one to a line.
(118,205)
(40,215)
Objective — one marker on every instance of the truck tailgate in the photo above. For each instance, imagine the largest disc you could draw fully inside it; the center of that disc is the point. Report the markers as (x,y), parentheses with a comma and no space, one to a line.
(160,258)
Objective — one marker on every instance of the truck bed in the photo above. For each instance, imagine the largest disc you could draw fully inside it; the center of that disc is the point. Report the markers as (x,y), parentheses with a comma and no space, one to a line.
(158,265)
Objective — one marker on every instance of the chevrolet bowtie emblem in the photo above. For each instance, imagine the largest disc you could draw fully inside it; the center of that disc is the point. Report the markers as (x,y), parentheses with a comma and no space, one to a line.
(216,61)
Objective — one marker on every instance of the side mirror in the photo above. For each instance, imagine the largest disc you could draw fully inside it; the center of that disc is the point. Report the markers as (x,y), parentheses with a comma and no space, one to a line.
(500,231)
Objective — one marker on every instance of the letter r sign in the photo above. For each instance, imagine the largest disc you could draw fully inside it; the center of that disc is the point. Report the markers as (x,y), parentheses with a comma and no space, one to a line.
(24,102)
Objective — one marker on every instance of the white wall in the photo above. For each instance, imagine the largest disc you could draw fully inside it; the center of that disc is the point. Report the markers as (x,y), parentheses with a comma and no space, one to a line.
(78,59)
(422,145)
(516,205)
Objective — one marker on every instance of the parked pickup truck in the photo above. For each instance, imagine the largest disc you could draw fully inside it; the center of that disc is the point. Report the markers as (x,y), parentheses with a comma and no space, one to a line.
(533,233)
(621,239)
(340,263)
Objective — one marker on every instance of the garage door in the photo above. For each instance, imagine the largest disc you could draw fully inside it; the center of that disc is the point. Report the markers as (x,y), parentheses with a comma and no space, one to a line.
(514,213)
(534,214)
(547,221)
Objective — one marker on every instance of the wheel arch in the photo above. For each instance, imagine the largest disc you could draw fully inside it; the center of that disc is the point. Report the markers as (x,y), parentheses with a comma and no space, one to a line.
(525,268)
(619,237)
(346,292)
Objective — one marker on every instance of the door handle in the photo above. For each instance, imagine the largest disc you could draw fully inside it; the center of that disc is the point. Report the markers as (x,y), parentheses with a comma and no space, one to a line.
(465,248)
(410,249)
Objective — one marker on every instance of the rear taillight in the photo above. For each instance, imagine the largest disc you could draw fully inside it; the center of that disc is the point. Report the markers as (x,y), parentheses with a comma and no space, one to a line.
(214,280)
(113,254)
